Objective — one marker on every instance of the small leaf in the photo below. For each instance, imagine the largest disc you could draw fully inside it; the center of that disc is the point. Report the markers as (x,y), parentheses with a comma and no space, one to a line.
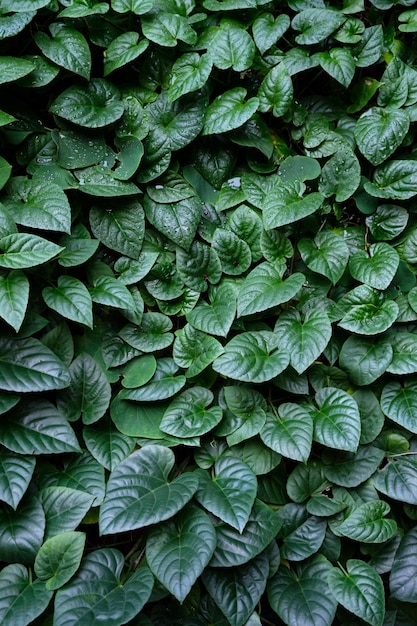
(195,350)
(276,91)
(123,50)
(229,111)
(327,254)
(360,590)
(14,297)
(59,558)
(216,317)
(64,508)
(339,64)
(138,493)
(199,266)
(285,204)
(367,311)
(178,551)
(231,46)
(108,291)
(189,73)
(231,492)
(153,333)
(71,299)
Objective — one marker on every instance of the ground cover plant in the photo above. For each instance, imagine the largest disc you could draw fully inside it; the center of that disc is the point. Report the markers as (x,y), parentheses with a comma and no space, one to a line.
(208,302)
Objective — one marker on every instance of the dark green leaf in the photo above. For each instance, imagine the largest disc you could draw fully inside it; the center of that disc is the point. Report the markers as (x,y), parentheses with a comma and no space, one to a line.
(23,599)
(289,432)
(403,574)
(231,46)
(15,475)
(120,227)
(398,480)
(59,558)
(365,359)
(71,299)
(67,48)
(22,250)
(14,297)
(379,132)
(229,111)
(21,531)
(177,221)
(399,404)
(337,420)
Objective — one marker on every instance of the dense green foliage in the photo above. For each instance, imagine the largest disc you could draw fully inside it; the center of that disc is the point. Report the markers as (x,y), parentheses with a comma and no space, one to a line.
(208,302)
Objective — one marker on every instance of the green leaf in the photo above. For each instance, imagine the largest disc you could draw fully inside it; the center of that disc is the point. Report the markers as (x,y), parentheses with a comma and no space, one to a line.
(339,64)
(139,371)
(395,180)
(37,427)
(28,365)
(215,317)
(398,480)
(14,297)
(237,591)
(165,29)
(399,404)
(199,266)
(285,204)
(349,469)
(379,132)
(22,599)
(163,384)
(107,444)
(15,475)
(252,357)
(177,123)
(289,431)
(59,558)
(316,24)
(177,221)
(247,414)
(305,540)
(264,288)
(267,30)
(195,350)
(88,394)
(404,359)
(234,253)
(388,221)
(337,420)
(71,299)
(236,548)
(120,226)
(403,573)
(22,250)
(95,105)
(96,592)
(64,508)
(13,68)
(96,182)
(178,551)
(365,359)
(331,182)
(109,291)
(360,590)
(370,49)
(189,73)
(123,50)
(303,596)
(305,341)
(231,47)
(21,531)
(230,493)
(229,111)
(367,524)
(187,415)
(327,254)
(139,494)
(367,311)
(84,8)
(153,333)
(5,171)
(68,48)
(139,7)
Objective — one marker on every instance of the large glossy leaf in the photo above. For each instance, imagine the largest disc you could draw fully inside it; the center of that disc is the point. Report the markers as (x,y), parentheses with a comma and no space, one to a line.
(153,333)
(229,111)
(107,444)
(349,469)
(399,404)
(394,180)
(21,531)
(22,599)
(234,253)
(28,365)
(165,29)
(177,221)
(398,480)
(177,123)
(138,492)
(13,68)
(200,266)
(252,357)
(375,267)
(276,91)
(286,203)
(305,540)
(264,288)
(123,50)
(64,508)
(379,132)
(306,340)
(14,297)
(96,593)
(365,359)
(404,357)
(303,596)
(38,204)
(59,558)
(67,48)
(236,591)
(289,431)
(266,30)
(95,105)
(215,317)
(189,73)
(231,492)
(37,427)
(337,420)
(120,227)
(178,550)
(109,291)
(21,250)
(327,254)
(367,523)
(71,299)
(403,580)
(339,64)
(231,46)
(316,24)
(195,350)
(331,181)
(187,415)
(15,474)
(234,548)
(368,312)
(88,395)
(360,590)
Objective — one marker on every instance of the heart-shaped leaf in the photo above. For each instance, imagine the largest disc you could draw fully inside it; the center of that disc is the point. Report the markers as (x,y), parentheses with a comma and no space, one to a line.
(64,508)
(21,531)
(286,203)
(23,599)
(231,493)
(187,415)
(365,359)
(215,317)
(367,523)
(376,267)
(120,227)
(232,47)
(107,444)
(177,221)
(15,474)
(179,550)
(139,494)
(379,132)
(71,299)
(289,431)
(398,480)
(189,73)
(21,250)
(267,30)
(122,50)
(59,558)
(337,420)
(360,590)
(67,48)
(14,297)
(276,91)
(327,254)
(229,111)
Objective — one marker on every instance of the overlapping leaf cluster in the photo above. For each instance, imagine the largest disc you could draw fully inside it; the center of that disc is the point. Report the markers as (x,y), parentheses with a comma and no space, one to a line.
(208,302)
